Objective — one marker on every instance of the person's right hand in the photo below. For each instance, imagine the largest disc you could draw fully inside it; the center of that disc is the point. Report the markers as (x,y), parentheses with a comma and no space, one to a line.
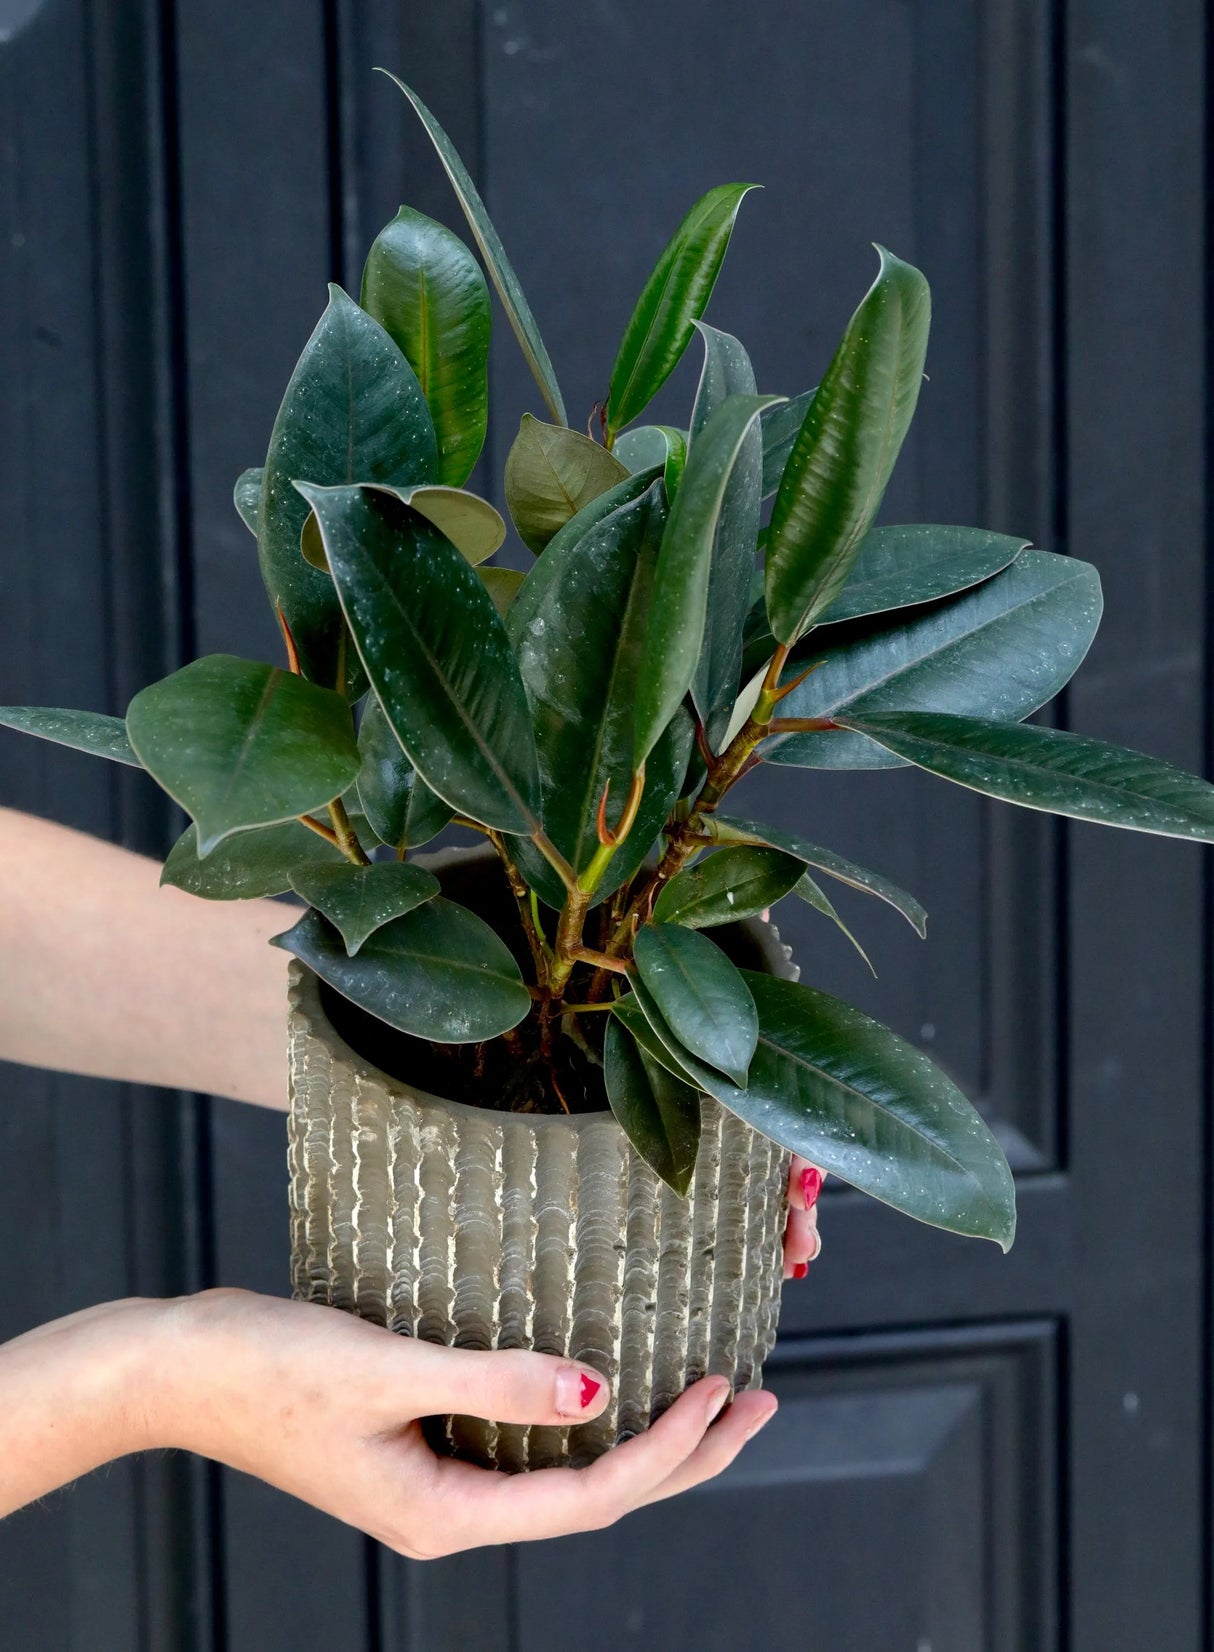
(327,1407)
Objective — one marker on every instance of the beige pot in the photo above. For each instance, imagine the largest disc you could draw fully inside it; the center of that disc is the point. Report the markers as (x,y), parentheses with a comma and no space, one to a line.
(485,1229)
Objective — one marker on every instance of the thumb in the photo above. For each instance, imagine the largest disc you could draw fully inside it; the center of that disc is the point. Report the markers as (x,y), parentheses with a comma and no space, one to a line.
(502,1385)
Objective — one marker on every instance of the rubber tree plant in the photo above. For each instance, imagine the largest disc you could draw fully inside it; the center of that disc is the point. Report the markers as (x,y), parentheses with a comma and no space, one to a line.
(591,717)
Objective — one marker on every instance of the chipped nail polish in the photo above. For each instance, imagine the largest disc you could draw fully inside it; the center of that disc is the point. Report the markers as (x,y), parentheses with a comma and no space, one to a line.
(589,1389)
(811,1186)
(800,1270)
(575,1390)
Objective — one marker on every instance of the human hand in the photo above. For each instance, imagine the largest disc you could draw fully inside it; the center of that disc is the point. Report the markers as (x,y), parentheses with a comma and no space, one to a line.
(327,1407)
(802,1241)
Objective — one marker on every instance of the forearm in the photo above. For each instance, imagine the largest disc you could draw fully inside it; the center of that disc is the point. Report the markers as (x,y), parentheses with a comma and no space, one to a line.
(111,975)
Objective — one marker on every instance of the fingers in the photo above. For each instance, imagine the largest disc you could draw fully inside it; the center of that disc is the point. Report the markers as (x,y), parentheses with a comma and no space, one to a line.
(724,1440)
(804,1183)
(801,1239)
(495,1509)
(505,1386)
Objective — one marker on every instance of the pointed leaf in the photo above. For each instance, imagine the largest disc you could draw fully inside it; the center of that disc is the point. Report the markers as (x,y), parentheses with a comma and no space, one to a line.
(701,995)
(845,451)
(673,298)
(400,807)
(247,864)
(659,1113)
(681,582)
(426,290)
(730,829)
(238,743)
(1045,768)
(439,972)
(727,372)
(246,496)
(503,585)
(813,895)
(358,900)
(470,523)
(551,473)
(578,625)
(899,567)
(733,883)
(501,271)
(1000,650)
(780,426)
(353,411)
(848,1094)
(436,654)
(87,731)
(650,446)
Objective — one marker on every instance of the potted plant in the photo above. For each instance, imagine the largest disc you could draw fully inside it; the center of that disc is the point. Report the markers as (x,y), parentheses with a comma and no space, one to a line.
(544,1092)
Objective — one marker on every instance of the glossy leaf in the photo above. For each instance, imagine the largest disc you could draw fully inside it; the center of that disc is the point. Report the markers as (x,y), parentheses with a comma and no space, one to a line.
(780,426)
(1048,769)
(735,882)
(727,372)
(439,972)
(659,1113)
(247,864)
(501,271)
(701,995)
(731,829)
(246,496)
(426,290)
(353,411)
(679,605)
(845,451)
(551,473)
(814,895)
(89,731)
(848,1094)
(1000,650)
(238,743)
(655,445)
(672,299)
(902,566)
(472,525)
(358,900)
(578,626)
(436,654)
(503,585)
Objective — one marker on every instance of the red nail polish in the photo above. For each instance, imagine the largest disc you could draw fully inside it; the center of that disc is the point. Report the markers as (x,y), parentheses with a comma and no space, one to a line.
(800,1270)
(589,1389)
(811,1186)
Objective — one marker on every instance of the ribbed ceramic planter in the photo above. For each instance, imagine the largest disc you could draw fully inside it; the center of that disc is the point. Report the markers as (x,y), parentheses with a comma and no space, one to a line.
(487,1229)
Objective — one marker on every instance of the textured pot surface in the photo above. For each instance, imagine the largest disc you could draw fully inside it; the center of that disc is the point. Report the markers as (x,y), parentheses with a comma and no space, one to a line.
(487,1229)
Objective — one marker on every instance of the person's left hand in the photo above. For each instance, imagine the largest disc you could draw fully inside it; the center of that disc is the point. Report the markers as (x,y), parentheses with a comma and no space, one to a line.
(802,1241)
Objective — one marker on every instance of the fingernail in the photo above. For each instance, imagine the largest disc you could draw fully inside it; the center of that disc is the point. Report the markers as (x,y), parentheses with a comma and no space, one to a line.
(575,1390)
(811,1186)
(800,1270)
(762,1423)
(817,1245)
(717,1404)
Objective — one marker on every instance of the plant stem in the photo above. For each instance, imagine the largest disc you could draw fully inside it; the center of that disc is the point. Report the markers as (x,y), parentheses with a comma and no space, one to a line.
(327,832)
(522,896)
(345,836)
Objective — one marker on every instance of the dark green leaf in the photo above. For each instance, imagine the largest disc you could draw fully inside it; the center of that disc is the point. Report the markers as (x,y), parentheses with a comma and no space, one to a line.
(551,473)
(439,972)
(1045,768)
(999,650)
(780,425)
(247,864)
(734,883)
(655,446)
(831,1084)
(436,653)
(729,829)
(501,270)
(659,1113)
(246,496)
(813,895)
(701,995)
(358,900)
(673,298)
(899,567)
(238,743)
(578,625)
(426,290)
(845,451)
(681,582)
(469,522)
(727,372)
(88,731)
(353,411)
